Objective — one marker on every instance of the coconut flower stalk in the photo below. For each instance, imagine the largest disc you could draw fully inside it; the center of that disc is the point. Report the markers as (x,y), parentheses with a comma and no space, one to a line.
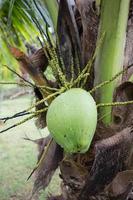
(113,23)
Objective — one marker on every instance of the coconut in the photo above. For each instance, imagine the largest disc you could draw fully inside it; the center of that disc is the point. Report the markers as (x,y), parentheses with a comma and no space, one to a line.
(72,119)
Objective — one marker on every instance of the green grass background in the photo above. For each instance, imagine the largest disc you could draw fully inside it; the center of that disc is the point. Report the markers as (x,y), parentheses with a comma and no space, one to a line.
(18,156)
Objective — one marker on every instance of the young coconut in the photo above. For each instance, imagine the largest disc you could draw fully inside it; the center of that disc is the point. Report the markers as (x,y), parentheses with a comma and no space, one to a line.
(72,119)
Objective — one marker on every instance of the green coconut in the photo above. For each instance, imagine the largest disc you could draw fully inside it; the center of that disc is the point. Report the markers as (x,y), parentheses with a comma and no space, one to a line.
(72,119)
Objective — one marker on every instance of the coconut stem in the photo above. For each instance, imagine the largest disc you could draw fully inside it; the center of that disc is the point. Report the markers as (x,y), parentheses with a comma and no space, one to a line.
(15,83)
(35,113)
(112,79)
(13,71)
(114,104)
(19,123)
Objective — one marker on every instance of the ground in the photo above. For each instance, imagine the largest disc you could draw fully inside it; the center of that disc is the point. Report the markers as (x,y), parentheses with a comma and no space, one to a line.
(18,156)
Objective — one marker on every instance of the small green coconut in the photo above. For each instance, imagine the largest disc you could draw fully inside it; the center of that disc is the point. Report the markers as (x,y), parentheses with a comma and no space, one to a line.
(72,119)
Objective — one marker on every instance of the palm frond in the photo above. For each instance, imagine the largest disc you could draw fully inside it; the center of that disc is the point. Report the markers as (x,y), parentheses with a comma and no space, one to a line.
(21,21)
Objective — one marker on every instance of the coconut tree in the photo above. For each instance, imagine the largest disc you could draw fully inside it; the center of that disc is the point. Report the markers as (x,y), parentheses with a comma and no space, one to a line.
(90,56)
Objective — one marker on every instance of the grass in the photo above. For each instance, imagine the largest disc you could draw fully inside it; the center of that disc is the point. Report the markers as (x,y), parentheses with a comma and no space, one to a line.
(18,156)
